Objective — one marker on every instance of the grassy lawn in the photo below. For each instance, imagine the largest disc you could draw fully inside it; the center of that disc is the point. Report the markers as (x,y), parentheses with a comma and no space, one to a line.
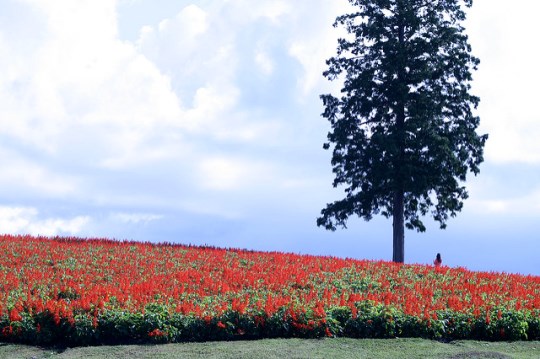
(291,348)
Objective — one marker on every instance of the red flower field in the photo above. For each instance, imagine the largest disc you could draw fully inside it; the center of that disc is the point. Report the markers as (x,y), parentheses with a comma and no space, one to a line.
(86,291)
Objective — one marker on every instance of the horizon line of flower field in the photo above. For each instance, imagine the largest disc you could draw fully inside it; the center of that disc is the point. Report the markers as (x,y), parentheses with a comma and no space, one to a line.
(88,286)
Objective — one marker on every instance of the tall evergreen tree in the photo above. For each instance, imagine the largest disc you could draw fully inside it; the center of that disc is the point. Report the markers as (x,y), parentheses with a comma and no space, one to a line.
(403,132)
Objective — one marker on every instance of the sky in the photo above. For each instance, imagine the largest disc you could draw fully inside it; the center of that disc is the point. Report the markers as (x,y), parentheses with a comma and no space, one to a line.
(198,122)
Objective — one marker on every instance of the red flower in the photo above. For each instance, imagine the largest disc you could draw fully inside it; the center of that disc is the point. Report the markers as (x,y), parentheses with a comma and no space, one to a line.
(7,331)
(157,333)
(14,315)
(64,276)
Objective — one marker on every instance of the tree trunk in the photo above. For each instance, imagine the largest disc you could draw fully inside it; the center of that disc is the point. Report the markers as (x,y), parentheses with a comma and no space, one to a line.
(399,194)
(399,228)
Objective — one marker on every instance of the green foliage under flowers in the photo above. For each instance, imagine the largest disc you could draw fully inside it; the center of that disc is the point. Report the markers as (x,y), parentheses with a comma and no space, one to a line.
(158,325)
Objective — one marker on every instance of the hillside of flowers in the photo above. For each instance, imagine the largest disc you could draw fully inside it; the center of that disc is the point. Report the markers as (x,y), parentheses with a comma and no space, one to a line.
(93,291)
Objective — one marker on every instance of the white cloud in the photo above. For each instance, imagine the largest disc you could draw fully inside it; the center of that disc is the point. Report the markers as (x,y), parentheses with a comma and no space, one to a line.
(32,178)
(313,42)
(265,63)
(492,206)
(273,10)
(135,218)
(186,45)
(194,19)
(211,101)
(502,37)
(506,190)
(84,91)
(527,205)
(209,207)
(25,220)
(99,106)
(222,173)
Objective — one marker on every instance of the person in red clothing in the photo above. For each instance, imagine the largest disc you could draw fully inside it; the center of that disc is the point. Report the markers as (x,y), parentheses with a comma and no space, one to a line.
(438,261)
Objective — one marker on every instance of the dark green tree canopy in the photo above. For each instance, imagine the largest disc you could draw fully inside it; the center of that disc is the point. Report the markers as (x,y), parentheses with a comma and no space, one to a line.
(404,121)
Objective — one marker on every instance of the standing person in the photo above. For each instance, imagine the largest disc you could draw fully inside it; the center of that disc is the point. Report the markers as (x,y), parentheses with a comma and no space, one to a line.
(438,261)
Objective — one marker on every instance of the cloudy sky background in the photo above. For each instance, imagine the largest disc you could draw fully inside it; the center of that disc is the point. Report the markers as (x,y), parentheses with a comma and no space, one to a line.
(199,122)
